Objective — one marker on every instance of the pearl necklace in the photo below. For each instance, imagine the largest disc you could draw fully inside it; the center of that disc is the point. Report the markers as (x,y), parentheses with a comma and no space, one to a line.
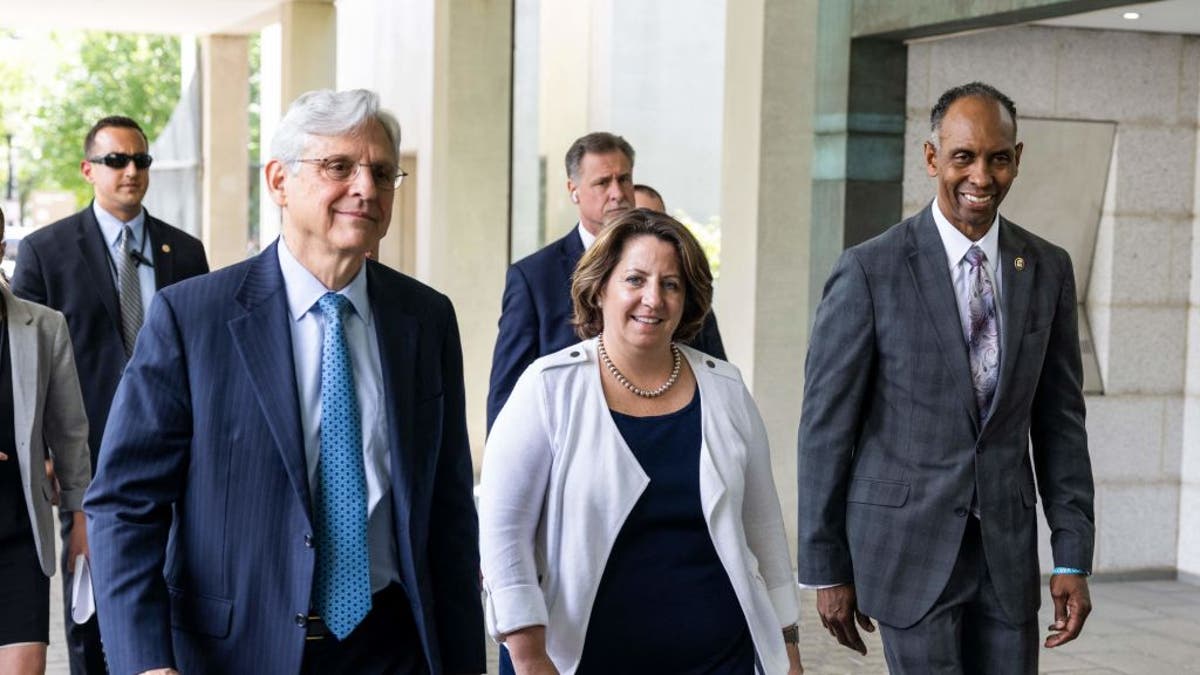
(620,377)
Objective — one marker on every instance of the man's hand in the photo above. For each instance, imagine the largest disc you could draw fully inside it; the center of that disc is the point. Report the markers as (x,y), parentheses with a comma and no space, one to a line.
(1072,604)
(838,607)
(160,671)
(78,542)
(52,479)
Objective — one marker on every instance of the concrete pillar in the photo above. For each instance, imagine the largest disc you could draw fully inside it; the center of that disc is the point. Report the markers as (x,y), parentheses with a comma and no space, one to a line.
(766,213)
(225,191)
(270,112)
(308,47)
(859,164)
(462,196)
(575,59)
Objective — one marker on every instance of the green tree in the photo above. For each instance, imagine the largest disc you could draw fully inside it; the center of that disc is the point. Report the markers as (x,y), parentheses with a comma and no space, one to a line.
(114,74)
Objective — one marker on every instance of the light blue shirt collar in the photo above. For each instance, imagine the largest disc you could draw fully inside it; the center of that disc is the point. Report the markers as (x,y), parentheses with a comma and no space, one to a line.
(111,226)
(304,289)
(957,244)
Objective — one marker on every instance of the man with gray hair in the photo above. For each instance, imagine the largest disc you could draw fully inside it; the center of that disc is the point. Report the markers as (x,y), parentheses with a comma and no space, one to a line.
(285,483)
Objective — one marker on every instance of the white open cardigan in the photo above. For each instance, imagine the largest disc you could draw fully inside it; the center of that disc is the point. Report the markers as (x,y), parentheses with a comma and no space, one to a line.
(559,481)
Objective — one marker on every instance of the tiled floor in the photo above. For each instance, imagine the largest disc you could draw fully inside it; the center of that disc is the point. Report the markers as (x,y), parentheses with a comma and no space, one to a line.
(1137,627)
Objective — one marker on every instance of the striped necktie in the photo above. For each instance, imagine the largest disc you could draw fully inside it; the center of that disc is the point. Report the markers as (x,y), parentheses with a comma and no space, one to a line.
(130,292)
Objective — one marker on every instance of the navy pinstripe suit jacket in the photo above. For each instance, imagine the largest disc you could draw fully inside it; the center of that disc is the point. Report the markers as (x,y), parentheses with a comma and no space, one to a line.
(200,512)
(890,448)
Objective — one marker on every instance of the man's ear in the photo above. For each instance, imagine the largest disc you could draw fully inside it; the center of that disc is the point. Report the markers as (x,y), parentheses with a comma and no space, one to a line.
(1017,155)
(85,168)
(930,159)
(276,175)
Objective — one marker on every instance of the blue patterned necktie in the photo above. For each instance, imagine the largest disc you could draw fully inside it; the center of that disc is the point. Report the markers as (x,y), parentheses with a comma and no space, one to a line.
(983,338)
(342,590)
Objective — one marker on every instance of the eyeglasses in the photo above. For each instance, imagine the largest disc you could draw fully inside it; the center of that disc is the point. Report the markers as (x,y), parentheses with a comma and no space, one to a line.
(344,170)
(120,160)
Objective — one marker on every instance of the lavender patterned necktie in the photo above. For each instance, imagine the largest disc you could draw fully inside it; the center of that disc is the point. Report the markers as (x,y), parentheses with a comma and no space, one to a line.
(983,338)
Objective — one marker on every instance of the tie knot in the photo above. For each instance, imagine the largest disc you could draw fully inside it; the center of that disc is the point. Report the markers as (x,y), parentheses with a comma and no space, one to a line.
(127,236)
(975,256)
(334,305)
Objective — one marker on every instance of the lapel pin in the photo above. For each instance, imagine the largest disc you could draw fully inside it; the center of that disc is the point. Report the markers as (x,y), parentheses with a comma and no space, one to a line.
(166,248)
(1018,263)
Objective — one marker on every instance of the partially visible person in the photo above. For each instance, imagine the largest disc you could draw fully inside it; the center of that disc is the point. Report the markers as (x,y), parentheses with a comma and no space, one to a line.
(535,315)
(41,409)
(285,483)
(100,268)
(630,522)
(646,197)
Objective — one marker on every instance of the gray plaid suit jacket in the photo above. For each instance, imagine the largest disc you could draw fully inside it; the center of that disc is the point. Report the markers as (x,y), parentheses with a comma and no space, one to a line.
(891,451)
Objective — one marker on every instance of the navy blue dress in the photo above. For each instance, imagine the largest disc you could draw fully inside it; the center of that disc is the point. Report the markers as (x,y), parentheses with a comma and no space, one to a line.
(665,604)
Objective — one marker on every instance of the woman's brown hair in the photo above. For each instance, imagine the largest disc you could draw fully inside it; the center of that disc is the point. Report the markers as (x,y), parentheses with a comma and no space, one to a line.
(598,262)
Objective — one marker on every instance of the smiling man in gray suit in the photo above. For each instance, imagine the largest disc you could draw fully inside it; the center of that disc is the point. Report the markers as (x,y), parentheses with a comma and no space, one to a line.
(941,348)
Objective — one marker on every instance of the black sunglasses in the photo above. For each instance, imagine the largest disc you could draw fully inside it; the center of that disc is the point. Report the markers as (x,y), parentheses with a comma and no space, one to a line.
(120,160)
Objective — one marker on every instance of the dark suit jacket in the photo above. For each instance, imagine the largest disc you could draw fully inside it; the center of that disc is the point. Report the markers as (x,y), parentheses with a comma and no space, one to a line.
(66,266)
(891,450)
(203,481)
(535,317)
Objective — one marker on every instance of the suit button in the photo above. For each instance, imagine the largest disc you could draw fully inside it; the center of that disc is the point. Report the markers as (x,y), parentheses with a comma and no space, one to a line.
(301,620)
(979,448)
(308,541)
(960,512)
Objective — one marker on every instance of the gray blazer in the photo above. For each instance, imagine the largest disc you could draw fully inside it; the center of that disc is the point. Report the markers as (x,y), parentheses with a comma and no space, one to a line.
(890,448)
(47,412)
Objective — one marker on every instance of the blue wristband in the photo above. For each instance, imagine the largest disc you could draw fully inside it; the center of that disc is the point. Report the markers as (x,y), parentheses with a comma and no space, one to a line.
(1071,570)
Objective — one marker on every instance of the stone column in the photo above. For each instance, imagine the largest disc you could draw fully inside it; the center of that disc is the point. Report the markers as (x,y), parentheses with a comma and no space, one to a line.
(574,62)
(462,196)
(308,47)
(766,213)
(225,191)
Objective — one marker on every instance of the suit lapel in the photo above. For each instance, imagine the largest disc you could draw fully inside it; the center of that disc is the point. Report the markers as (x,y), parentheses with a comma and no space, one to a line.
(25,362)
(264,341)
(96,258)
(161,252)
(571,250)
(931,275)
(1018,290)
(396,332)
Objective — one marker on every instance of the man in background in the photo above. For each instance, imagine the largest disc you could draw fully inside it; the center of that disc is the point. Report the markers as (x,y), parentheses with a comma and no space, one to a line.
(100,267)
(646,197)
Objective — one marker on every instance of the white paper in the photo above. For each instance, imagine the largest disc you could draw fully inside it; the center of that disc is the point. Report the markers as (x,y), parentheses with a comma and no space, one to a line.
(83,603)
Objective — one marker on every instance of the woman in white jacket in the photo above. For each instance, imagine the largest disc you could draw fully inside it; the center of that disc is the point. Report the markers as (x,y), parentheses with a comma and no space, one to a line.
(629,519)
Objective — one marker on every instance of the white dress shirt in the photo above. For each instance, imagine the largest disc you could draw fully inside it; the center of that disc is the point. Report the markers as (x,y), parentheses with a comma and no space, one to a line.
(957,244)
(586,237)
(308,332)
(111,227)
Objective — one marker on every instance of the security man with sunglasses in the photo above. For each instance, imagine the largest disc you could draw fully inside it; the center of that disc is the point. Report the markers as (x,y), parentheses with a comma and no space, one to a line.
(100,268)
